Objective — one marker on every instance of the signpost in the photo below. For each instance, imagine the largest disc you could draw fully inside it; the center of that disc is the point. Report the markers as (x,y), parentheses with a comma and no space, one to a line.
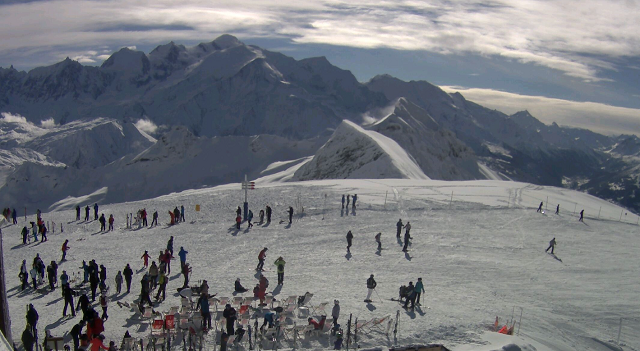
(246,185)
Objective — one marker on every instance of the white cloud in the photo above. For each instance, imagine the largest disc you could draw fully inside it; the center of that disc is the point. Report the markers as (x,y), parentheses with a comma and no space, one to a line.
(566,35)
(601,118)
(11,118)
(146,126)
(48,123)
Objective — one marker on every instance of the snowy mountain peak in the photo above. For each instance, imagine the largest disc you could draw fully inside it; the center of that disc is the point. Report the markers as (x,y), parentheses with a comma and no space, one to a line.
(353,152)
(127,60)
(227,41)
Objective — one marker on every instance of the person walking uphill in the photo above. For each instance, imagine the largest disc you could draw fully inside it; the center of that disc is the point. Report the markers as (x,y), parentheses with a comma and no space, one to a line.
(280,264)
(371,285)
(349,241)
(261,257)
(552,245)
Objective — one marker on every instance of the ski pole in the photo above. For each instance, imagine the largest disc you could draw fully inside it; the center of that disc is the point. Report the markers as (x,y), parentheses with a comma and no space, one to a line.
(378,296)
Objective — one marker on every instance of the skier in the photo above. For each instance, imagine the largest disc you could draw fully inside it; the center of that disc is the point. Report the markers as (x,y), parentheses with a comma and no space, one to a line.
(378,241)
(558,209)
(183,256)
(86,271)
(83,304)
(167,260)
(110,222)
(342,201)
(154,221)
(552,245)
(290,214)
(95,211)
(43,233)
(280,264)
(145,291)
(268,210)
(103,223)
(77,212)
(118,282)
(581,216)
(355,197)
(407,228)
(143,214)
(103,273)
(65,248)
(64,279)
(153,274)
(406,239)
(68,301)
(335,312)
(86,214)
(176,214)
(249,219)
(419,290)
(128,274)
(412,296)
(185,272)
(261,257)
(51,277)
(14,216)
(203,306)
(371,285)
(238,287)
(145,256)
(349,241)
(181,213)
(540,207)
(399,226)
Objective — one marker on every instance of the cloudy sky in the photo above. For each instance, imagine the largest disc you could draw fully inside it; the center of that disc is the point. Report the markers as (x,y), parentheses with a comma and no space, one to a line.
(573,62)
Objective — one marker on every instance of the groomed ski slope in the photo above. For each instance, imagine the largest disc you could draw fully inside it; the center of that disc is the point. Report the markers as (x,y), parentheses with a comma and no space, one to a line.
(480,253)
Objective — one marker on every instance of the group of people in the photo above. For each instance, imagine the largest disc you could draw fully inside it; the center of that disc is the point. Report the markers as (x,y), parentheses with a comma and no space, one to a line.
(349,198)
(266,212)
(10,216)
(378,237)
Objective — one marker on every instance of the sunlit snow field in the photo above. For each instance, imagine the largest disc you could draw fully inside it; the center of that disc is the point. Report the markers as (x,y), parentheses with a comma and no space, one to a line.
(478,246)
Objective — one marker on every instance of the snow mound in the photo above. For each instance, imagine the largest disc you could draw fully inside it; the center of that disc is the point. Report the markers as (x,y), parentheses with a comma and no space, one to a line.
(353,152)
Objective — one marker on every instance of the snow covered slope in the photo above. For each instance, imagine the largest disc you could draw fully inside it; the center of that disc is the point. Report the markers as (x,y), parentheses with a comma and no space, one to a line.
(353,152)
(436,150)
(479,252)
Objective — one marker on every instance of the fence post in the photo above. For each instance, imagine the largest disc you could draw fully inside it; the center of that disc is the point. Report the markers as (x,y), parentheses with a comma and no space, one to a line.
(620,215)
(385,199)
(451,201)
(599,212)
(546,203)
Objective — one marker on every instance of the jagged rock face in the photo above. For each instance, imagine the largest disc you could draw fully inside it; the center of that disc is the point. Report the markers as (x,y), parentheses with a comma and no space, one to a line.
(353,153)
(436,150)
(219,88)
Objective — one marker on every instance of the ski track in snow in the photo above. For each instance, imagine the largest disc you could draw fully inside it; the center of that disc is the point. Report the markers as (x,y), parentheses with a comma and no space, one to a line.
(478,259)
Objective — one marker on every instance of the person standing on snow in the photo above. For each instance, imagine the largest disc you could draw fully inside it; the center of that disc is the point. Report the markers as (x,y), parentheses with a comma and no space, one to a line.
(558,209)
(335,311)
(183,256)
(68,300)
(170,246)
(371,285)
(110,222)
(552,245)
(239,212)
(128,274)
(162,280)
(249,219)
(86,214)
(581,216)
(290,214)
(280,264)
(77,212)
(153,274)
(343,201)
(95,211)
(145,256)
(419,290)
(25,235)
(261,214)
(349,241)
(14,216)
(118,282)
(261,257)
(268,210)
(103,222)
(540,207)
(348,199)
(181,213)
(203,306)
(399,226)
(412,296)
(407,237)
(238,221)
(176,214)
(65,248)
(378,236)
(154,221)
(355,197)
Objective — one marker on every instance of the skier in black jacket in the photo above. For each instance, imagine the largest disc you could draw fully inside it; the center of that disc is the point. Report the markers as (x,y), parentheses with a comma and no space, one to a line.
(349,241)
(68,300)
(128,273)
(32,318)
(290,214)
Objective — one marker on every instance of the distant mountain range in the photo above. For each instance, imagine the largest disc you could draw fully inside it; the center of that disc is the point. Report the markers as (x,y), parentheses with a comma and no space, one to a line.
(227,109)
